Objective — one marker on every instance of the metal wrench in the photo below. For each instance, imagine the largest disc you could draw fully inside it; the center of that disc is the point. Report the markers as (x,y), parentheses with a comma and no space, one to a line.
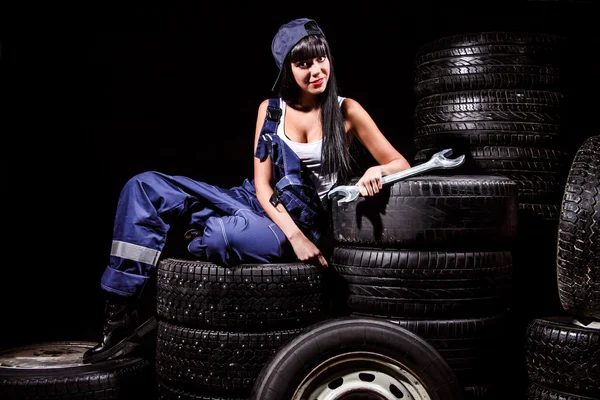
(438,160)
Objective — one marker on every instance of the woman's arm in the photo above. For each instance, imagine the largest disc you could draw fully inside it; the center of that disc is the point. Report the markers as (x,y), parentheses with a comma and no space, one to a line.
(305,249)
(360,124)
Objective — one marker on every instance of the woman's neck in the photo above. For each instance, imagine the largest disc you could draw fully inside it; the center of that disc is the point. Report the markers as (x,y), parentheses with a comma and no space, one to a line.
(306,103)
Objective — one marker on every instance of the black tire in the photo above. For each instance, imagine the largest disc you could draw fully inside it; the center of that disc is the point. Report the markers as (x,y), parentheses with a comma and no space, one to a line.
(536,391)
(578,248)
(562,353)
(214,362)
(488,60)
(460,212)
(474,348)
(166,392)
(54,370)
(488,117)
(538,172)
(249,297)
(487,133)
(337,354)
(503,160)
(423,284)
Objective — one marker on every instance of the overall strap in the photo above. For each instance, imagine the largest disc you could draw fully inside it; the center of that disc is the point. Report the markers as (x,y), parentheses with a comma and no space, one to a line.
(293,170)
(269,129)
(292,163)
(269,142)
(272,117)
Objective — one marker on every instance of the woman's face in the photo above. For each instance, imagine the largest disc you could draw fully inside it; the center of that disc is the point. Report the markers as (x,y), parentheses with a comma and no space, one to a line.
(312,75)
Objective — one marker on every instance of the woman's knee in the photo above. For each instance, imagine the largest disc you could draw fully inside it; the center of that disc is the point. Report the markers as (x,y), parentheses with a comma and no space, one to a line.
(153,185)
(144,178)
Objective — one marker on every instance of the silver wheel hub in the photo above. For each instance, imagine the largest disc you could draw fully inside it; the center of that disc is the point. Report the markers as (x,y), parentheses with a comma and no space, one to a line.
(361,376)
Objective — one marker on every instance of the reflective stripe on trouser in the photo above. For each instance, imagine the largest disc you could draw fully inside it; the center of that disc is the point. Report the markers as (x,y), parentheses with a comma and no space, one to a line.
(236,229)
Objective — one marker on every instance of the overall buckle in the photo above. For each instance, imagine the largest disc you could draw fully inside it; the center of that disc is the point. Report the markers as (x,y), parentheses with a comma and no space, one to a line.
(273,113)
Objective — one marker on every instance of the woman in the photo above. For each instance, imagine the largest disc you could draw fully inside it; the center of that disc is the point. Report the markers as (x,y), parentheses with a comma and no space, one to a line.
(301,150)
(313,115)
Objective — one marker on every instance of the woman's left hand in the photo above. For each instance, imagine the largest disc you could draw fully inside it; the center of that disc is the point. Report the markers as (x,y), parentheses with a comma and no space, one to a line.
(370,183)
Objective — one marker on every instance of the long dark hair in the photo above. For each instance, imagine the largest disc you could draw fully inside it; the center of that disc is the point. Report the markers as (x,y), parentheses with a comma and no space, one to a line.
(334,153)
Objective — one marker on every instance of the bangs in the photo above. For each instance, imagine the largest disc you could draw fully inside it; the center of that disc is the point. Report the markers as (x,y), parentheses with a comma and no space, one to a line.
(308,48)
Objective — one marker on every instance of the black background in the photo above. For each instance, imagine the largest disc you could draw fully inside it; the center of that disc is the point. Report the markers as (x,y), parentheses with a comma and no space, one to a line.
(93,96)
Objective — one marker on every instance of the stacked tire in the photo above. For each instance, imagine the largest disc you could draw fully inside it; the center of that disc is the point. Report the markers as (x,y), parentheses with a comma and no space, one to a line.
(497,97)
(563,350)
(432,254)
(218,326)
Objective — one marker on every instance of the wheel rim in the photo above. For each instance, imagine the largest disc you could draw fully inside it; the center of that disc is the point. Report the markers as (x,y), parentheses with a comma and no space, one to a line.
(45,355)
(361,375)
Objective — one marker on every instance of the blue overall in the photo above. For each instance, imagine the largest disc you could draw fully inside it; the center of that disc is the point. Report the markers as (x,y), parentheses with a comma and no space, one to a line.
(235,228)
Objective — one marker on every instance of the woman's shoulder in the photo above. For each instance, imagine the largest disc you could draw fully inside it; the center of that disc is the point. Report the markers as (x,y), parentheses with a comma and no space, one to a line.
(350,106)
(262,107)
(265,103)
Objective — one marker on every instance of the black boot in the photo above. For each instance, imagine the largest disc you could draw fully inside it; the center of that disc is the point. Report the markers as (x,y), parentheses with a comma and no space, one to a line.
(122,332)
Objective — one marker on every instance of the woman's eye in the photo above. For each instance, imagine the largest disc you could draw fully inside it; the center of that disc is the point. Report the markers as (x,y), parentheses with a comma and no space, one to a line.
(307,64)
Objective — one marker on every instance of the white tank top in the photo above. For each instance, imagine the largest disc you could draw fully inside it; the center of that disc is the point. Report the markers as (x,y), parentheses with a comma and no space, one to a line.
(309,154)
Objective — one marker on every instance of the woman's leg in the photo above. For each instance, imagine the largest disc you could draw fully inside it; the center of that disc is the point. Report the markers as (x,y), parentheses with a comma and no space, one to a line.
(147,205)
(234,227)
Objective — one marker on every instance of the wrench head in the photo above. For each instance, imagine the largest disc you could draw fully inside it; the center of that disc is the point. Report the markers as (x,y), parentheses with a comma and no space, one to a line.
(349,195)
(441,159)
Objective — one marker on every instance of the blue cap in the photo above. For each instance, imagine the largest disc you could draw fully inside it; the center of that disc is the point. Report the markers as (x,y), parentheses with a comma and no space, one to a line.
(288,36)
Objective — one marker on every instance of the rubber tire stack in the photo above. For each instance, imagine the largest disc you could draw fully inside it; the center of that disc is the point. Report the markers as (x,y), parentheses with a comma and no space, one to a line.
(432,254)
(218,326)
(497,98)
